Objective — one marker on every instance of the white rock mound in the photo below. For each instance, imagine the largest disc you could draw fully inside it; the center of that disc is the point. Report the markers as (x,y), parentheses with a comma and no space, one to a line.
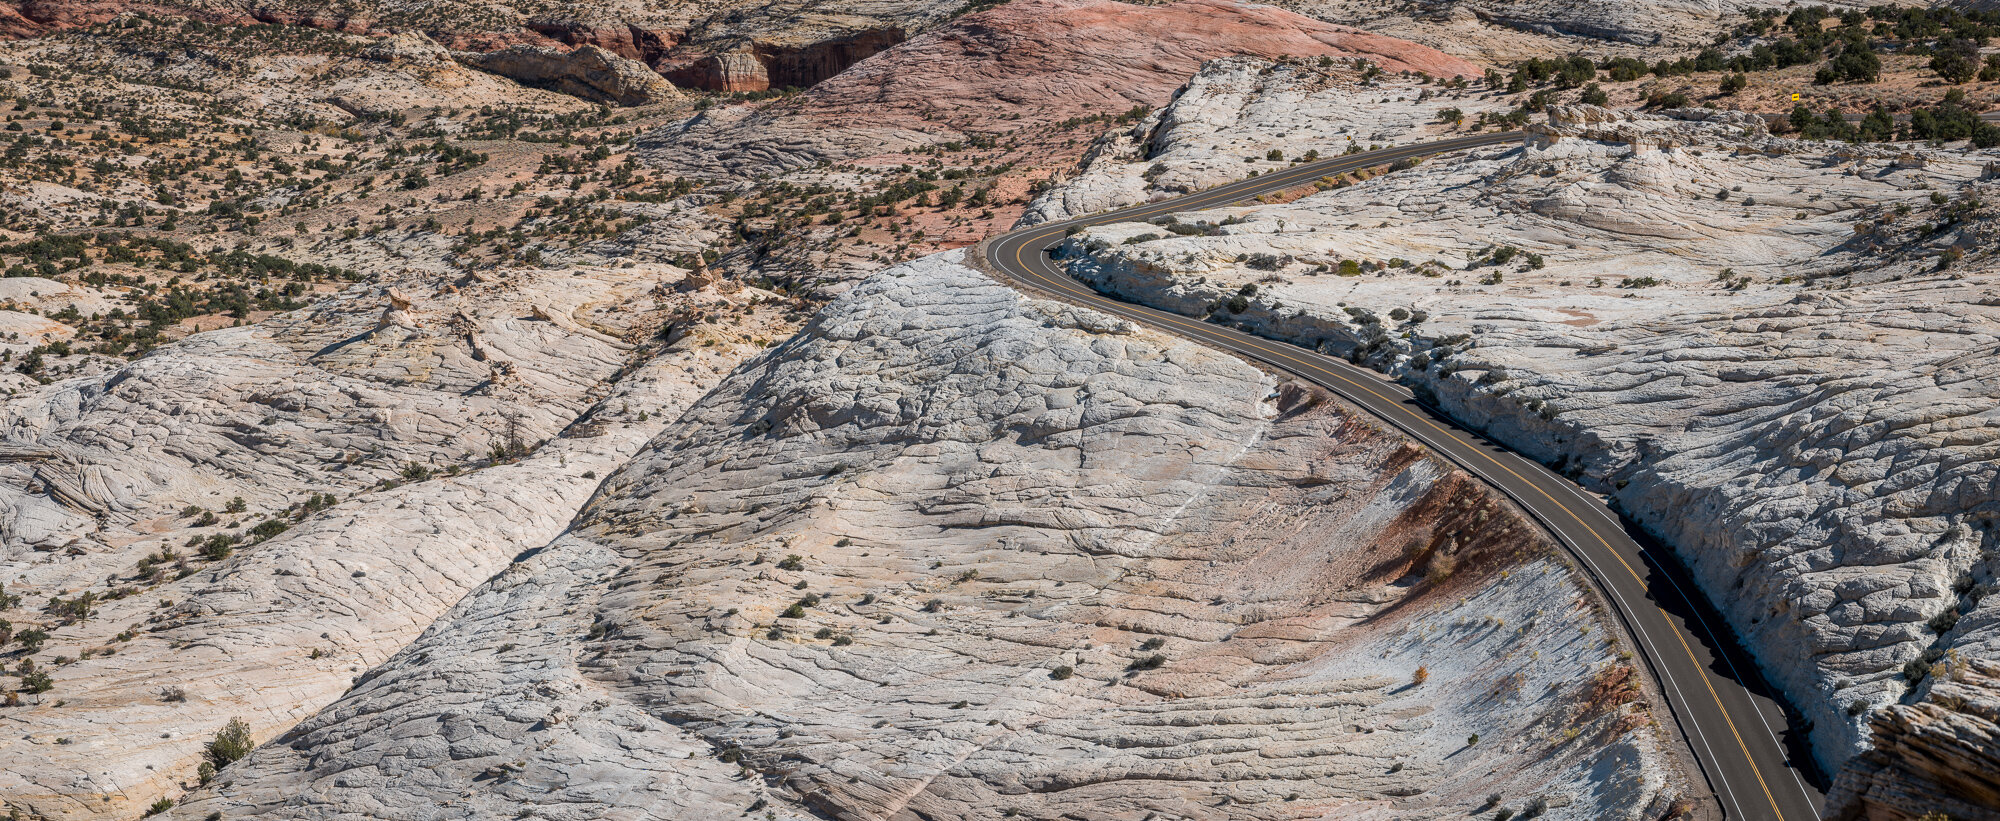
(956,553)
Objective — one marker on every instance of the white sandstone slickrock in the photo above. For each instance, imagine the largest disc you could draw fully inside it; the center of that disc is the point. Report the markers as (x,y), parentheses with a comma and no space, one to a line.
(1504,31)
(991,514)
(320,404)
(1766,350)
(1229,118)
(379,77)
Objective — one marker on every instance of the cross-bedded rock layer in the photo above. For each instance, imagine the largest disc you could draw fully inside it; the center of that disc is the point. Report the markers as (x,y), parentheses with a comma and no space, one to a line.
(362,408)
(955,553)
(1022,64)
(1771,353)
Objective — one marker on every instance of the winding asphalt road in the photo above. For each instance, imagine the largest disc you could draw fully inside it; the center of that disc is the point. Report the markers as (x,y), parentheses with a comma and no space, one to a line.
(1755,767)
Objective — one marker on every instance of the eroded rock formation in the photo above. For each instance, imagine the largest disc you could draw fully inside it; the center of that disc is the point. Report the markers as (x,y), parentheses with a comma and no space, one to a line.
(1766,350)
(956,553)
(383,444)
(1027,63)
(1939,755)
(586,71)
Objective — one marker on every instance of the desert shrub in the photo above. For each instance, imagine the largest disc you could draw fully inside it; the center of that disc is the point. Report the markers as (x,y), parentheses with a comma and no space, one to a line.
(231,744)
(1623,69)
(1856,63)
(1943,622)
(1667,99)
(1956,61)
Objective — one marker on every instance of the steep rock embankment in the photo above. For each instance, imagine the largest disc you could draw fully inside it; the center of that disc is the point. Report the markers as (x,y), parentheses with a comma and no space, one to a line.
(759,63)
(1026,63)
(1767,351)
(956,553)
(1940,755)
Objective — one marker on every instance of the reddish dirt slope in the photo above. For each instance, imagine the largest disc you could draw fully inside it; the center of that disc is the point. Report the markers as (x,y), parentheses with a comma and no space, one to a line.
(1019,71)
(1054,59)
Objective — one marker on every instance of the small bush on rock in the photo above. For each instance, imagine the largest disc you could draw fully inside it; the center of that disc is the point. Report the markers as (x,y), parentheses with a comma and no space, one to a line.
(231,744)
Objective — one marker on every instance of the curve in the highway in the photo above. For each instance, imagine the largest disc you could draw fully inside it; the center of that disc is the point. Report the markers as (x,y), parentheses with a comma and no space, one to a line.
(1735,731)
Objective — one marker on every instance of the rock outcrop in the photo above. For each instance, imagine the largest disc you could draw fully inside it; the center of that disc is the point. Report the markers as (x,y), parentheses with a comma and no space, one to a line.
(361,465)
(1940,755)
(956,553)
(725,71)
(1021,65)
(644,43)
(1767,351)
(794,46)
(589,72)
(408,47)
(759,64)
(1677,128)
(1230,117)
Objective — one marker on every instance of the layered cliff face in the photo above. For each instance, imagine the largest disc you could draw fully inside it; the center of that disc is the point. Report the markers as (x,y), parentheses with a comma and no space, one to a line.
(253,517)
(1767,351)
(737,58)
(1938,755)
(951,552)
